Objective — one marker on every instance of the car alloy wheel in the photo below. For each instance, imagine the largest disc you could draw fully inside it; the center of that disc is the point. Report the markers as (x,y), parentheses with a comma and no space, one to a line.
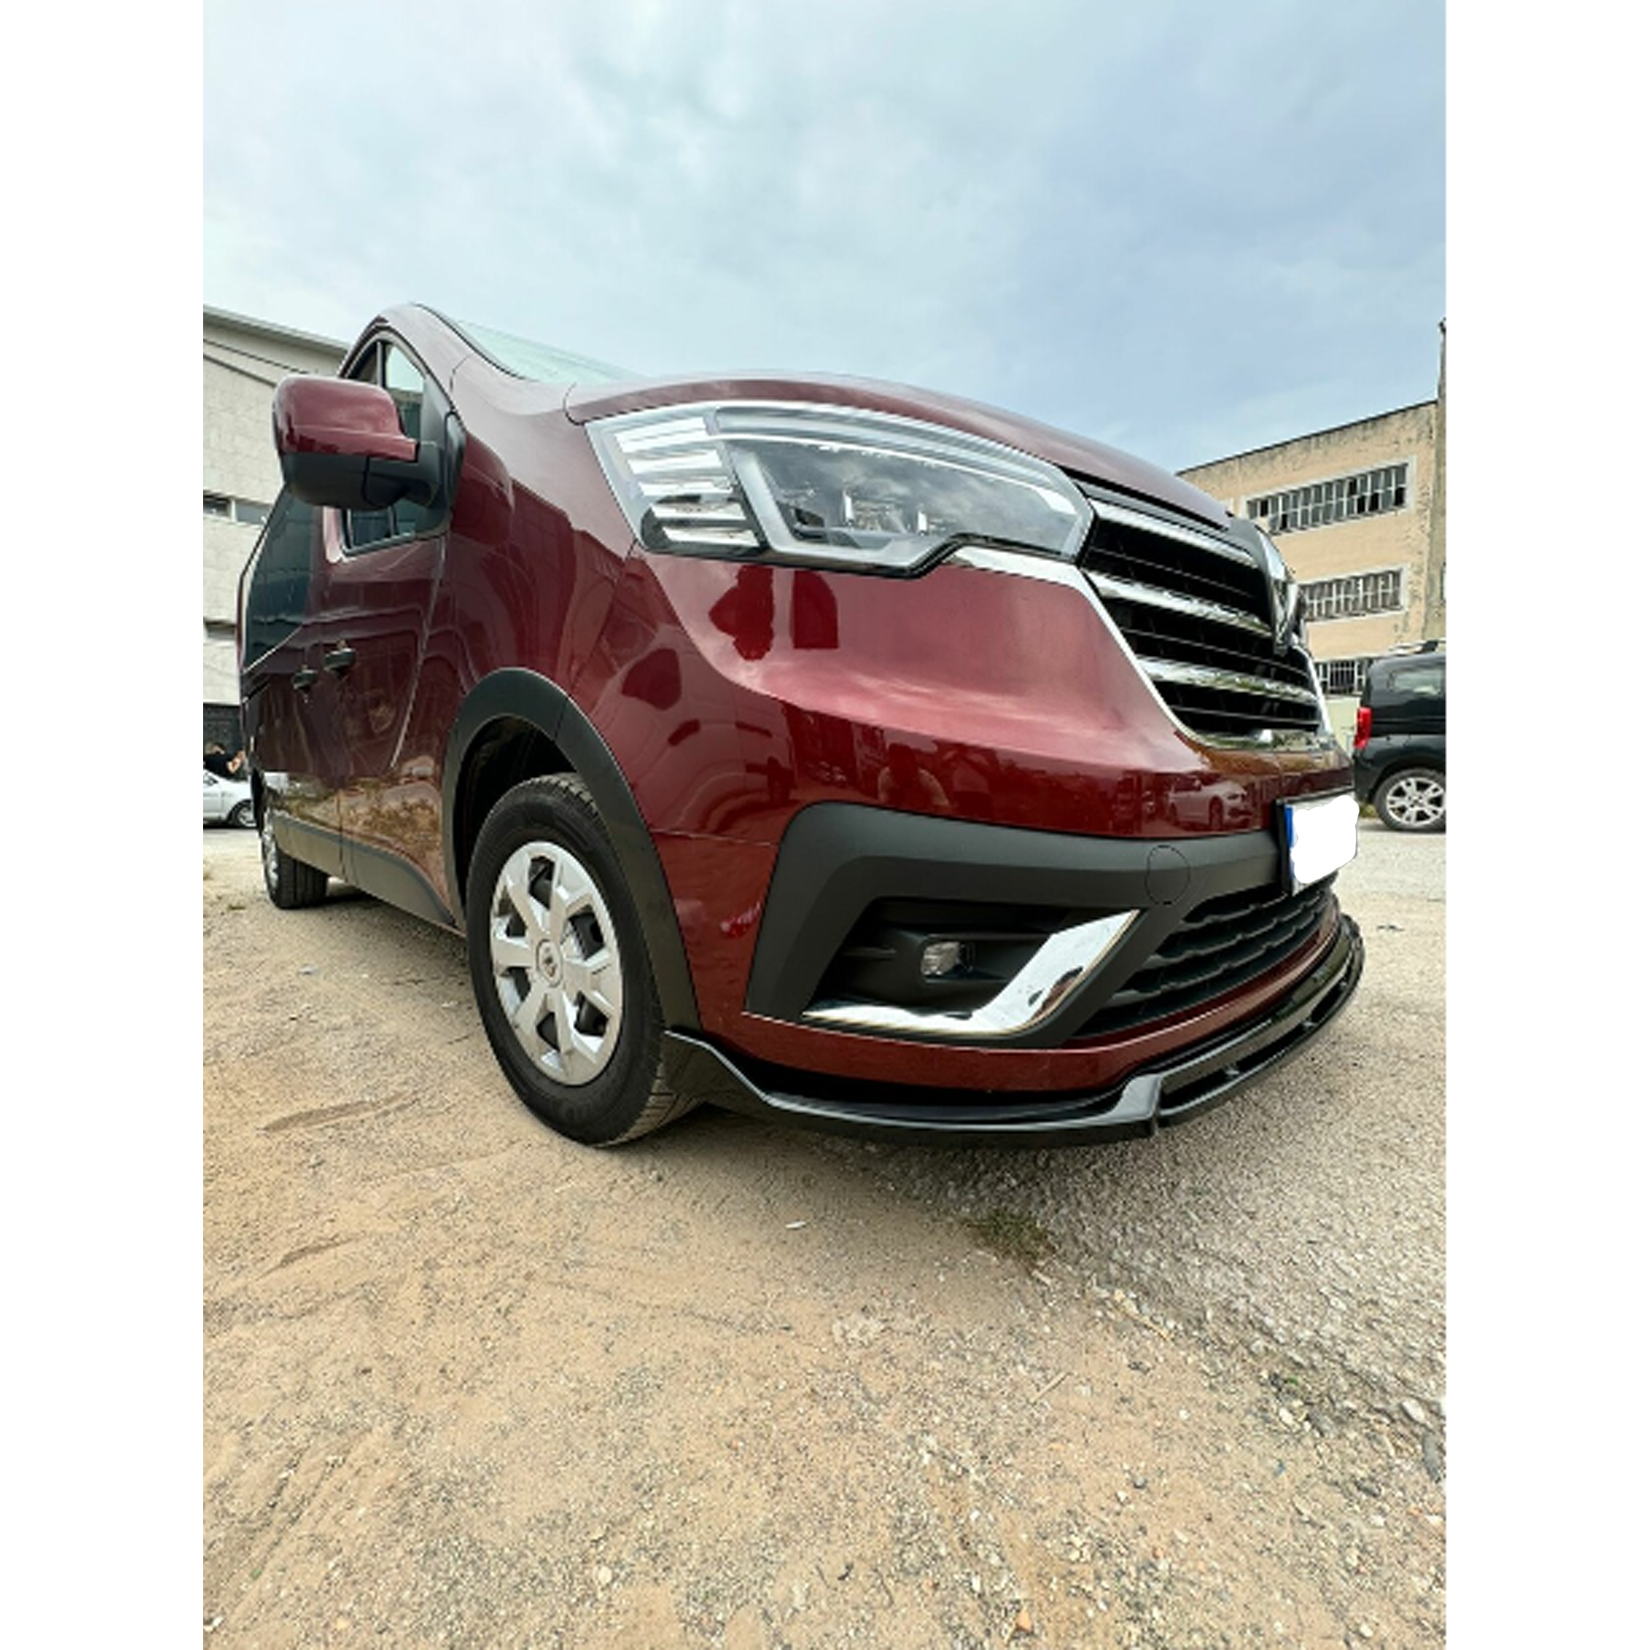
(240,816)
(556,963)
(1412,801)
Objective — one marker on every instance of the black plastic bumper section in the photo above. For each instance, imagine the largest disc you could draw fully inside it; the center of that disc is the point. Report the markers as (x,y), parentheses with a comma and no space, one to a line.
(1161,1093)
(837,858)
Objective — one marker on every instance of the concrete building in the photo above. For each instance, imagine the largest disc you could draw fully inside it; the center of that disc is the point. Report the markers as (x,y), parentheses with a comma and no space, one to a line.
(1358,513)
(242,362)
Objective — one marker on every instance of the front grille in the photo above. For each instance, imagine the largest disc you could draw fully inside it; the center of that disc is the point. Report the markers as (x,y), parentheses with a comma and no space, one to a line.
(1197,614)
(1222,944)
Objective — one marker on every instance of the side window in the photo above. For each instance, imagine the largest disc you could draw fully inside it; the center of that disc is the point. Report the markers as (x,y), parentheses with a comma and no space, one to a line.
(278,591)
(363,528)
(392,369)
(1418,682)
(406,386)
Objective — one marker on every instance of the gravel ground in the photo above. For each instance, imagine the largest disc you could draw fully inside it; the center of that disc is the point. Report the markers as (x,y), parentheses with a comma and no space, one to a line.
(1307,1219)
(468,1384)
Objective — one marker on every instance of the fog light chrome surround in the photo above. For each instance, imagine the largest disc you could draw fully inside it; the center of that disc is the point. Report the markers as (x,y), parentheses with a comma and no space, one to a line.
(1056,969)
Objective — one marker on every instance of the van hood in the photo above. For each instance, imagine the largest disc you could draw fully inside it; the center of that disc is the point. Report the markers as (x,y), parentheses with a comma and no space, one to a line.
(1090,459)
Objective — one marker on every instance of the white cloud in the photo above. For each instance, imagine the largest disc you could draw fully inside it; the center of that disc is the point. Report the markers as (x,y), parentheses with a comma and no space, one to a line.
(1138,222)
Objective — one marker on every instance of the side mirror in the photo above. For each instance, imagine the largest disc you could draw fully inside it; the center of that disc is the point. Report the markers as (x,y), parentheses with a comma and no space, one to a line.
(340,443)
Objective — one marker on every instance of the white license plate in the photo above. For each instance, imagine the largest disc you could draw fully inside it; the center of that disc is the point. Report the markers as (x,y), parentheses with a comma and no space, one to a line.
(1322,837)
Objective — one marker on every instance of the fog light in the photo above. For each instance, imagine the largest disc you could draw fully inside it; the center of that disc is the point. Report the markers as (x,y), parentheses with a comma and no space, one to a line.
(944,957)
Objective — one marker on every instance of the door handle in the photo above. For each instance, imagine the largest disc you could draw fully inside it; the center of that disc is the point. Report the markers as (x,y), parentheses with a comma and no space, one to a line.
(339,660)
(305,679)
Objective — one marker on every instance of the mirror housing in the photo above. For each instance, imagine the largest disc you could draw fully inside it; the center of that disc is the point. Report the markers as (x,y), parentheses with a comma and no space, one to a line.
(341,444)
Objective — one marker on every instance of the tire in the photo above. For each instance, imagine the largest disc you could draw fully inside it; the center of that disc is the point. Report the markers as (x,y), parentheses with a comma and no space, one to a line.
(1412,799)
(560,969)
(289,883)
(240,816)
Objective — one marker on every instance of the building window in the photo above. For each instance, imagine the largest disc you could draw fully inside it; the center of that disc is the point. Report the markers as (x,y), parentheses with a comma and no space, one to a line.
(1341,677)
(1352,597)
(1318,504)
(244,510)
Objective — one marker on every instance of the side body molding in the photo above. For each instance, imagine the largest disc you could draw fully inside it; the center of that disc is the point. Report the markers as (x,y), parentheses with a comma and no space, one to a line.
(525,696)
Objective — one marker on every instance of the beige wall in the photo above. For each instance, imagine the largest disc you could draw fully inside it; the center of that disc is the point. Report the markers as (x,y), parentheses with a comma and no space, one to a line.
(1401,538)
(239,462)
(242,361)
(1436,615)
(221,677)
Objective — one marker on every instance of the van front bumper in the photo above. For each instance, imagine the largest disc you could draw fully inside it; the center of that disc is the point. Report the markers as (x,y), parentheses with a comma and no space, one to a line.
(1160,1093)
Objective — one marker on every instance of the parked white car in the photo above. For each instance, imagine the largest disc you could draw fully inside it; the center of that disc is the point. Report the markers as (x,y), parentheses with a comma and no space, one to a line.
(1219,806)
(226,801)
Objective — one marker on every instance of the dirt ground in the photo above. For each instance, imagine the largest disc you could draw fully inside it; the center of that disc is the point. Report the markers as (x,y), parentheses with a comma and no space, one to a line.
(468,1384)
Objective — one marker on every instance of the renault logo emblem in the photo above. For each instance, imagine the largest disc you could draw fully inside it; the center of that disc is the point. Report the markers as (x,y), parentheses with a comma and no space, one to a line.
(1284,592)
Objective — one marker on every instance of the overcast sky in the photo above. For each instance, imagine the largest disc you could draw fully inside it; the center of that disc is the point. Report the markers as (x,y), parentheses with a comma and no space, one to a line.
(1187,229)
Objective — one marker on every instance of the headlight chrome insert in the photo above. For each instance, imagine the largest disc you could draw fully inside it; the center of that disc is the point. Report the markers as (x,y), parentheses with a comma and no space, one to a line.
(829,486)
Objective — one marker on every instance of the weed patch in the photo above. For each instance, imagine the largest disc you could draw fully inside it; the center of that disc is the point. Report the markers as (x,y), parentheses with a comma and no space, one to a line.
(1012,1236)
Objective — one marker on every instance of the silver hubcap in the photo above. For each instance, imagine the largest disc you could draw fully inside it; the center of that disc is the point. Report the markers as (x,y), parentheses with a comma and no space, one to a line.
(1416,801)
(266,841)
(556,962)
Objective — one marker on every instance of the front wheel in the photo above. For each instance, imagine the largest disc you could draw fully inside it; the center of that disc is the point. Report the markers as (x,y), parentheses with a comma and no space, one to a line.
(560,968)
(1412,800)
(240,816)
(289,883)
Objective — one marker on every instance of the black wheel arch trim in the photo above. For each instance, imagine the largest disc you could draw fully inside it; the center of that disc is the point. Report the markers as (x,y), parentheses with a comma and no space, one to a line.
(525,696)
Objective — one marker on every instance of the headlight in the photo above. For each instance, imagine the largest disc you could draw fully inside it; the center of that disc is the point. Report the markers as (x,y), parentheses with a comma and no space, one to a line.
(828,486)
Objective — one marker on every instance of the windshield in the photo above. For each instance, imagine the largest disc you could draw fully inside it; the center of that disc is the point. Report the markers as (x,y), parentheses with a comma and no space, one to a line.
(526,359)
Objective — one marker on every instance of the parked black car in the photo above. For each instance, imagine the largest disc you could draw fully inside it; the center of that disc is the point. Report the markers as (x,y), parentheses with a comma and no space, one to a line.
(1398,748)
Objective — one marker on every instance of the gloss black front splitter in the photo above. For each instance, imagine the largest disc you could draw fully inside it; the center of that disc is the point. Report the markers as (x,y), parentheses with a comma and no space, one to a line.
(1158,1095)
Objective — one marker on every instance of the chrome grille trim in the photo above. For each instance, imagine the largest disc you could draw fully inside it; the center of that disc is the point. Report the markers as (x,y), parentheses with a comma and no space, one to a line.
(1169,530)
(1129,591)
(1225,681)
(1198,617)
(1032,564)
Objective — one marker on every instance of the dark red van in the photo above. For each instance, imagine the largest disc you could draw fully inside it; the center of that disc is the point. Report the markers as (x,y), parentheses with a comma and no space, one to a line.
(815,746)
